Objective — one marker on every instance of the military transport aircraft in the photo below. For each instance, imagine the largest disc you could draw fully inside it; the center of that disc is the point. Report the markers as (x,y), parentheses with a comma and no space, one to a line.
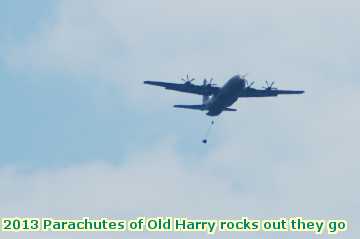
(218,99)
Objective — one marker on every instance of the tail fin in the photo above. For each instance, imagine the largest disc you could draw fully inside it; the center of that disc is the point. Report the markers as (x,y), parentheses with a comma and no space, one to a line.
(205,98)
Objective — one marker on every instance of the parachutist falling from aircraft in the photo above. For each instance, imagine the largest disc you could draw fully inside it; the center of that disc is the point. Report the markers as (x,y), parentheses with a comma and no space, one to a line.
(208,132)
(216,99)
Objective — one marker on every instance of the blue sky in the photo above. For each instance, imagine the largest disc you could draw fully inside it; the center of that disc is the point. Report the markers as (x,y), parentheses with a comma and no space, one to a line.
(53,118)
(81,131)
(18,94)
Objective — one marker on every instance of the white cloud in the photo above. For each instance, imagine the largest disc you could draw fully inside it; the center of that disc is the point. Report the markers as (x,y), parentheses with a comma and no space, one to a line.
(129,41)
(232,183)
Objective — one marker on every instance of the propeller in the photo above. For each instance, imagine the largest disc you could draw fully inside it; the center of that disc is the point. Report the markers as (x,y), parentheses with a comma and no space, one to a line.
(243,77)
(188,81)
(208,84)
(205,82)
(269,86)
(249,85)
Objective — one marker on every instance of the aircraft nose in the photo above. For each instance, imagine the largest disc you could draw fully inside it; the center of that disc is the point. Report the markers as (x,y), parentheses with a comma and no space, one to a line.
(237,77)
(238,81)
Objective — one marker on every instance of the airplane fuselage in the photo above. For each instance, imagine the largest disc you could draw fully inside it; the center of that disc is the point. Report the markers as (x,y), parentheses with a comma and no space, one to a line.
(218,99)
(227,96)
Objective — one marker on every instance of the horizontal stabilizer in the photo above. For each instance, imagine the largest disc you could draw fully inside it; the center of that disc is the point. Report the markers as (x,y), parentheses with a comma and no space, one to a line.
(229,109)
(192,107)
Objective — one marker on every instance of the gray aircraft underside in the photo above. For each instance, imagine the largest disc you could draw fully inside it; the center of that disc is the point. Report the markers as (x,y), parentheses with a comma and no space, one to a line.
(218,99)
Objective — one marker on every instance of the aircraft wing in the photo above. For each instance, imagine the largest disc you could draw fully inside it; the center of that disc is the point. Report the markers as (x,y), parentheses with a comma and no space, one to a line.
(186,87)
(250,92)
